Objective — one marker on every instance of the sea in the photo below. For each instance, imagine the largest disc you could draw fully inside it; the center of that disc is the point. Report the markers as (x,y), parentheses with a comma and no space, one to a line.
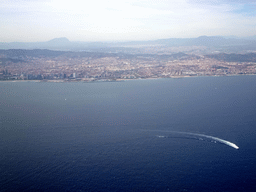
(120,136)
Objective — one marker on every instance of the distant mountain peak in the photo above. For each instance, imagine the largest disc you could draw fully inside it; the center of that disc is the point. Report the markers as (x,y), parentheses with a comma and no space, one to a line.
(59,40)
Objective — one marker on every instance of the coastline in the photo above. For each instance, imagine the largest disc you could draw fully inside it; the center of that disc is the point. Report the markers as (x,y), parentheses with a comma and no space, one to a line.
(117,80)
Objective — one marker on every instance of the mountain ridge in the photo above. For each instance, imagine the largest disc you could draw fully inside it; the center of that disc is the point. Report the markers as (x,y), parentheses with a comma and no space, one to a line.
(63,43)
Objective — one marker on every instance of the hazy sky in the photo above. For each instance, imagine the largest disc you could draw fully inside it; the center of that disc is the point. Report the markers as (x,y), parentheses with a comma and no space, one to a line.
(107,20)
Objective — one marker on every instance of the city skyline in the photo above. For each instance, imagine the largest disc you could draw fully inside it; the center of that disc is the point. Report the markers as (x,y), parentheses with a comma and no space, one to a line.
(37,20)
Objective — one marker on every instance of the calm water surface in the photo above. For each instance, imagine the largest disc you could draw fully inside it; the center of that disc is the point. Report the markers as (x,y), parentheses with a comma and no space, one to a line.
(115,136)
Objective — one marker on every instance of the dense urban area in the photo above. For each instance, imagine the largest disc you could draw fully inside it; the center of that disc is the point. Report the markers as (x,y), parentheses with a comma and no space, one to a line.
(49,65)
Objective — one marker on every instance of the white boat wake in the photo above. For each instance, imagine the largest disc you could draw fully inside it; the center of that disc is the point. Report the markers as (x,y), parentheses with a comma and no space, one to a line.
(212,138)
(188,135)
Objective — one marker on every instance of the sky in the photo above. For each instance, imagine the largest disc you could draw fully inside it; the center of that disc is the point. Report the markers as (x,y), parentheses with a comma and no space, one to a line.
(124,20)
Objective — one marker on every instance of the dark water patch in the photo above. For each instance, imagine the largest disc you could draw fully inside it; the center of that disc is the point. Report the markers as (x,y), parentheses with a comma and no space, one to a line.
(92,140)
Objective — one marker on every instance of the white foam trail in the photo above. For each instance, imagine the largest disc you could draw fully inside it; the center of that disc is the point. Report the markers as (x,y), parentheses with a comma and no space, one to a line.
(202,135)
(161,136)
(214,138)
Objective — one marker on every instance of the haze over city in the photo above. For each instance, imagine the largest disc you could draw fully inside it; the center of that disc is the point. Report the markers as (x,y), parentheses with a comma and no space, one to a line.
(121,20)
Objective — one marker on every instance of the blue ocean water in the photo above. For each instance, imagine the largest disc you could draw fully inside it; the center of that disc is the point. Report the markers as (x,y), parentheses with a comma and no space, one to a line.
(115,136)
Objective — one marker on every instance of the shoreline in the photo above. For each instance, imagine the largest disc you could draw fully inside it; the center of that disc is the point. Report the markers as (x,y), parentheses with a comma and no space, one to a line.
(117,80)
